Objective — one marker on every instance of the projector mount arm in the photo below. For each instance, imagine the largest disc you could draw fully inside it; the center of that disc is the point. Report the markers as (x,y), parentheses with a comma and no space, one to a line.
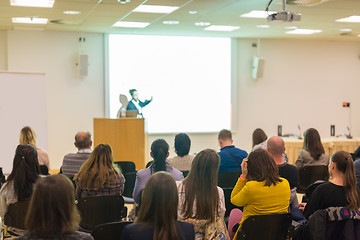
(283,5)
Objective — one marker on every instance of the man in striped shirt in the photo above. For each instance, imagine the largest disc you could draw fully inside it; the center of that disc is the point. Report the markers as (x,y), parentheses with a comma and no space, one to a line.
(73,161)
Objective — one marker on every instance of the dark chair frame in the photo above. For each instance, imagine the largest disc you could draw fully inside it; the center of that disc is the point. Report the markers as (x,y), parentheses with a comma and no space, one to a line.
(310,174)
(126,166)
(270,227)
(109,231)
(96,210)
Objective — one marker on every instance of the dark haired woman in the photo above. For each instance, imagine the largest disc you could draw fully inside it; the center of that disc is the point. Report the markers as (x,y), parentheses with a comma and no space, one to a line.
(201,201)
(313,152)
(20,183)
(259,138)
(157,218)
(159,152)
(99,175)
(52,212)
(341,191)
(259,189)
(183,160)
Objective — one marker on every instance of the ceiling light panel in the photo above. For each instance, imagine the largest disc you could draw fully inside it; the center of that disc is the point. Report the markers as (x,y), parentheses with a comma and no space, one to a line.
(155,9)
(30,20)
(351,19)
(221,28)
(32,3)
(303,31)
(131,24)
(257,14)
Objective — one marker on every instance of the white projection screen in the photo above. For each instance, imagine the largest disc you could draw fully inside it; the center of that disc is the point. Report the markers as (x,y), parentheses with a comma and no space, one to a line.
(189,79)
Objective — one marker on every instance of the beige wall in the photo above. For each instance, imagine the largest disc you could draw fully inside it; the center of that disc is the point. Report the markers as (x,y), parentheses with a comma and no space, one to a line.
(305,82)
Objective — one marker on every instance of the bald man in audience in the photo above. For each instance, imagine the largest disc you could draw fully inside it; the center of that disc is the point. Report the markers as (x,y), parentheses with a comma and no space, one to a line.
(276,147)
(73,161)
(230,156)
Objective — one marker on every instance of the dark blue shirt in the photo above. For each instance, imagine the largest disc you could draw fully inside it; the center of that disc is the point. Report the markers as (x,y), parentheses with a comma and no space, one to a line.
(231,158)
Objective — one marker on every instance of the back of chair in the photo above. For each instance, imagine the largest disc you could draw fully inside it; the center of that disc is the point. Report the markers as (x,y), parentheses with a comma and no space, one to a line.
(269,227)
(126,166)
(129,184)
(109,231)
(149,163)
(228,179)
(96,210)
(310,174)
(16,213)
(185,173)
(229,206)
(44,170)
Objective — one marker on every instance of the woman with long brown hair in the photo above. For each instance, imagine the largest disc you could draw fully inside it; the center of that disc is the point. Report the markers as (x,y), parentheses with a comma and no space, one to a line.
(157,218)
(341,191)
(260,189)
(313,152)
(99,175)
(52,212)
(199,196)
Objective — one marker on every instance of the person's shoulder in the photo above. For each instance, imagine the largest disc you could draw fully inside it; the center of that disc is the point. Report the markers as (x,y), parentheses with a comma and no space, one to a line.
(143,172)
(185,225)
(240,150)
(284,182)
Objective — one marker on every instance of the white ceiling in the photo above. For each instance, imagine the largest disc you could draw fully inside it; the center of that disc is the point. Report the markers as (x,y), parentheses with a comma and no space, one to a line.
(100,15)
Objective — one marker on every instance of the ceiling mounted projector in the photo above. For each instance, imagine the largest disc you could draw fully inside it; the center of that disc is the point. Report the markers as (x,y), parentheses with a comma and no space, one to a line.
(284,17)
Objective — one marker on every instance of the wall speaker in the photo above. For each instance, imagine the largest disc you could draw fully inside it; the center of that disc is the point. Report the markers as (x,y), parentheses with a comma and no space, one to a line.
(82,65)
(258,67)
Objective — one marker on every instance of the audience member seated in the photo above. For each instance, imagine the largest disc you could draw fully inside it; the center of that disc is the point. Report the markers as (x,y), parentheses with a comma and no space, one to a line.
(28,136)
(259,138)
(183,160)
(313,152)
(276,147)
(357,166)
(341,191)
(20,183)
(99,175)
(157,218)
(52,212)
(73,161)
(201,201)
(260,189)
(159,152)
(230,156)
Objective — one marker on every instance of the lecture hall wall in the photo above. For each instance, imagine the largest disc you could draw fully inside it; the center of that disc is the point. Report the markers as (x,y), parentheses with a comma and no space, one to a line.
(304,83)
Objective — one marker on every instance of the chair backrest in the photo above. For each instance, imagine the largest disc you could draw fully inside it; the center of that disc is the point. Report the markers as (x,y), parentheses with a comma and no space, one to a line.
(310,174)
(44,170)
(109,231)
(185,173)
(228,179)
(129,184)
(149,163)
(16,213)
(269,227)
(96,210)
(229,206)
(310,189)
(126,166)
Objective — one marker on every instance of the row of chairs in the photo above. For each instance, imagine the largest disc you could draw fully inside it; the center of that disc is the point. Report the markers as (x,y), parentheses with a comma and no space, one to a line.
(94,211)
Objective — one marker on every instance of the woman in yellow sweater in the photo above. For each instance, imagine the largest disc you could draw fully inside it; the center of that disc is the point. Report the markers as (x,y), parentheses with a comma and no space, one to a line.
(259,189)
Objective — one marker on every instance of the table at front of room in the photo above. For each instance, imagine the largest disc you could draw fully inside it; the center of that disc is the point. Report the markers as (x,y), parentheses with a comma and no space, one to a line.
(331,145)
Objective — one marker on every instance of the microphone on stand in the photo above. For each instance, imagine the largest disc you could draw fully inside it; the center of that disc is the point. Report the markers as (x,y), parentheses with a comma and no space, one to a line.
(299,136)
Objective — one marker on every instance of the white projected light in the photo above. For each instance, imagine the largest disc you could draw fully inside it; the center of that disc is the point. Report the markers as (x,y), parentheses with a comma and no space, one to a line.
(188,77)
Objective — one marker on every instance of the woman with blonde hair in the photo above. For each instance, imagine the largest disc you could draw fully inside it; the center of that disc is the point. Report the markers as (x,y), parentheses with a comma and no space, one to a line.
(157,218)
(52,212)
(201,201)
(28,136)
(341,191)
(313,152)
(99,175)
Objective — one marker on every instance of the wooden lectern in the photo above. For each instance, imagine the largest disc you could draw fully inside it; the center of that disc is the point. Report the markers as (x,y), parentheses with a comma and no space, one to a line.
(126,136)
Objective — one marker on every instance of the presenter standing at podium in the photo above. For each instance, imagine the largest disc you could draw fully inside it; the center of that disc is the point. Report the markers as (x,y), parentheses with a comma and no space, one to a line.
(135,104)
